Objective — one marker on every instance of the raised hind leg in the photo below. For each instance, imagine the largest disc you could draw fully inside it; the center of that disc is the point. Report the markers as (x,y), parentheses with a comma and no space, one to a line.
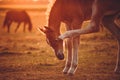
(17,27)
(108,22)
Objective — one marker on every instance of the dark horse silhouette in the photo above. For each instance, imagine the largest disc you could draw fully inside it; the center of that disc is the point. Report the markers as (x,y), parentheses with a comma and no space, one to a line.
(18,17)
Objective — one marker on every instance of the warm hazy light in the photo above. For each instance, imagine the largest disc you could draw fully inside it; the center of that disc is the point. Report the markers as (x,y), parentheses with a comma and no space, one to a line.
(23,4)
(35,0)
(23,1)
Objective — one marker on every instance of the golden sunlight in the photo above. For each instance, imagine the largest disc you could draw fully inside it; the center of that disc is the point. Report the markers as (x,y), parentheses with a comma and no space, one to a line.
(35,0)
(23,4)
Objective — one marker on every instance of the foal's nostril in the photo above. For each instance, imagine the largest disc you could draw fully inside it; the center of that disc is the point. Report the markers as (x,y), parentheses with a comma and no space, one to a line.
(60,56)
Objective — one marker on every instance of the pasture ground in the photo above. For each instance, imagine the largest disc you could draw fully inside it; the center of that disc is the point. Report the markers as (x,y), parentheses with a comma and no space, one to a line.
(26,56)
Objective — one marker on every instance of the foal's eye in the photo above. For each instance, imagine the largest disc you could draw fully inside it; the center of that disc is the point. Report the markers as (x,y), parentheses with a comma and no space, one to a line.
(56,40)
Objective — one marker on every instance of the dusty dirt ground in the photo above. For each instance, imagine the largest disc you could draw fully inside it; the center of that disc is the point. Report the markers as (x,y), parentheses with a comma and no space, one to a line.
(26,56)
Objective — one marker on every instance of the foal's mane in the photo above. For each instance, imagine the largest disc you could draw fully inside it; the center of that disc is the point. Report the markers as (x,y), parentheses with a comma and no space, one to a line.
(50,5)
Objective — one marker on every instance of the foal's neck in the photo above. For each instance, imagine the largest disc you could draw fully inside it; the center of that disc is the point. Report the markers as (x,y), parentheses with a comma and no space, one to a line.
(55,17)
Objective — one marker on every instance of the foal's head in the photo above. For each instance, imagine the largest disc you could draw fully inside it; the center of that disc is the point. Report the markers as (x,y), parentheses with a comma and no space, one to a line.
(54,42)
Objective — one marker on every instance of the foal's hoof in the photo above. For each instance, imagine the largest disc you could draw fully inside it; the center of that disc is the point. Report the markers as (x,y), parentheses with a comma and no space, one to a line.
(70,74)
(64,72)
(117,72)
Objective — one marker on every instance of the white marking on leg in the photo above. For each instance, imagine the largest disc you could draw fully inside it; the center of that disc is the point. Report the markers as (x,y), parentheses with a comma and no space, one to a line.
(69,56)
(75,56)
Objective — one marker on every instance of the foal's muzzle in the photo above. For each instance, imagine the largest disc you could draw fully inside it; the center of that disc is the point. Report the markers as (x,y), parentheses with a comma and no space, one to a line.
(59,53)
(60,56)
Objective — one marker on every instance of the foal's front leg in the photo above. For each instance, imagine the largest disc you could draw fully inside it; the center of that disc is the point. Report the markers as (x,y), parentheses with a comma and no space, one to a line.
(74,62)
(69,56)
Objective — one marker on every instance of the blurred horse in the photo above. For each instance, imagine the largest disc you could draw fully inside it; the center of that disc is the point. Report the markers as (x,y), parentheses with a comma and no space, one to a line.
(18,17)
(73,13)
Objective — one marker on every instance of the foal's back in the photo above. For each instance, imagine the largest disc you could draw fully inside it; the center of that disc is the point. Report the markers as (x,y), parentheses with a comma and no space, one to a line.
(76,9)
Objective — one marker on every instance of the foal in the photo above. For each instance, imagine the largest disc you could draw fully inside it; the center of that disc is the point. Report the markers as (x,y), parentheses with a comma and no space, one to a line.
(105,15)
(73,13)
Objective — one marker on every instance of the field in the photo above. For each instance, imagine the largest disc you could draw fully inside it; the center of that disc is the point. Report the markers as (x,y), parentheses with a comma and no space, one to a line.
(26,56)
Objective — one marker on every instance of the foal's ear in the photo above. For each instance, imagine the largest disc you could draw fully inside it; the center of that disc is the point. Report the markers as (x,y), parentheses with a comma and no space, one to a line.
(45,30)
(48,29)
(42,30)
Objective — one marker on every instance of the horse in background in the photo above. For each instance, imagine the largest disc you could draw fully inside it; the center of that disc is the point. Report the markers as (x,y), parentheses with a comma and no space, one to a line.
(73,13)
(17,17)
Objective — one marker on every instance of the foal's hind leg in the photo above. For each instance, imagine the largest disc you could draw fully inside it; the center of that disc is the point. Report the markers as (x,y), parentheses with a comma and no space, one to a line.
(108,22)
(117,69)
(17,27)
